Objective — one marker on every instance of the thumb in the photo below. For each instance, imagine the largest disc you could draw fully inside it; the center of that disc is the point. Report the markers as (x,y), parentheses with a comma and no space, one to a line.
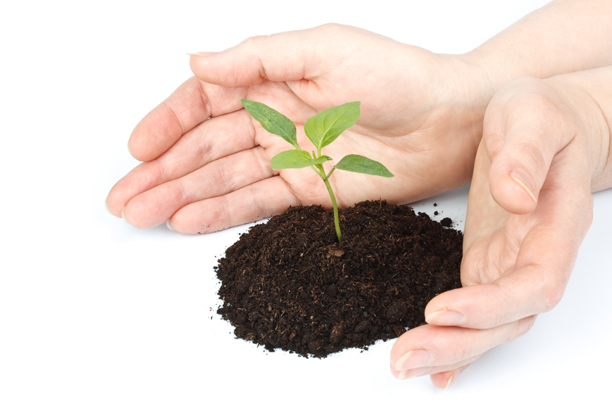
(289,56)
(522,140)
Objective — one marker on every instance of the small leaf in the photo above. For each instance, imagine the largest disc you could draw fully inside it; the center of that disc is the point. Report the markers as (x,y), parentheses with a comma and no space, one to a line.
(271,120)
(325,127)
(361,164)
(295,159)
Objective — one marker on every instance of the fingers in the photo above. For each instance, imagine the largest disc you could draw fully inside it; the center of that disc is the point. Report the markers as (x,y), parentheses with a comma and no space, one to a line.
(535,286)
(191,104)
(214,139)
(429,349)
(156,206)
(436,371)
(447,378)
(289,56)
(254,202)
(489,305)
(525,127)
(522,269)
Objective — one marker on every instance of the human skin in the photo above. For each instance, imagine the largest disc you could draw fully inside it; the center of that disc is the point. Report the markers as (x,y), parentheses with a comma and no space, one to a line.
(524,228)
(421,116)
(215,173)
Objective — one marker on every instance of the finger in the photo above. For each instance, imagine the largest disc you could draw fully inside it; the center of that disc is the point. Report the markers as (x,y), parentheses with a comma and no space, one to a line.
(522,136)
(432,371)
(191,104)
(537,279)
(214,139)
(254,202)
(289,56)
(430,349)
(156,206)
(445,379)
(484,216)
(531,289)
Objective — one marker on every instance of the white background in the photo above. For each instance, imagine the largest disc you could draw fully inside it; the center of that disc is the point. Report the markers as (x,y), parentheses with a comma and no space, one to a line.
(95,313)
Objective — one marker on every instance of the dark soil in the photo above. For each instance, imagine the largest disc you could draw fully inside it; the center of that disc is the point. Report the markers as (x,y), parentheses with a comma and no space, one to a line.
(289,284)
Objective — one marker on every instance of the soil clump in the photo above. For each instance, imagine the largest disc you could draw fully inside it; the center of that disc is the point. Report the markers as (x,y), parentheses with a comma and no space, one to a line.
(289,284)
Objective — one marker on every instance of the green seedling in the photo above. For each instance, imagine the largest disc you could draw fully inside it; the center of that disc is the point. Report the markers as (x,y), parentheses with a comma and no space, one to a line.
(322,129)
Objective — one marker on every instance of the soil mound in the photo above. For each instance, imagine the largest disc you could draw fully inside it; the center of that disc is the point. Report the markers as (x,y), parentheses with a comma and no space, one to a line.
(289,284)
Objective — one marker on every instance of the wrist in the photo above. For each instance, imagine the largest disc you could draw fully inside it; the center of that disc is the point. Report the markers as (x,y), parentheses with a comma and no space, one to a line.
(583,98)
(494,70)
(474,89)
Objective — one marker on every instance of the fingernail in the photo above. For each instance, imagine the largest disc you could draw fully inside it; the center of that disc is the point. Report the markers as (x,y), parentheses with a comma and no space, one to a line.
(417,372)
(201,54)
(445,318)
(123,215)
(169,225)
(450,381)
(106,206)
(524,181)
(414,359)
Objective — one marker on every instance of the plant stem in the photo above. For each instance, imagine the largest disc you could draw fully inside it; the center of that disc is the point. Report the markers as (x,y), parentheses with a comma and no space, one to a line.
(330,173)
(321,173)
(333,199)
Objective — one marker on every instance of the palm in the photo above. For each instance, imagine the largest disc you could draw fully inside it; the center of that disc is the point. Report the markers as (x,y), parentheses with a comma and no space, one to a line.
(408,154)
(217,172)
(497,254)
(514,267)
(498,243)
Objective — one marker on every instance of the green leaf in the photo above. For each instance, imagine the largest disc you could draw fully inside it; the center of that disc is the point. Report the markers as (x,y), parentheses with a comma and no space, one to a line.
(271,120)
(361,164)
(325,127)
(295,159)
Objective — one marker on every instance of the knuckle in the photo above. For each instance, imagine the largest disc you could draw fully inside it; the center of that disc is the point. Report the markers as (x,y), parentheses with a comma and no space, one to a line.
(551,290)
(254,41)
(460,351)
(472,265)
(332,28)
(179,192)
(538,104)
(529,94)
(258,45)
(522,327)
(214,216)
(447,347)
(503,295)
(552,298)
(494,141)
(550,285)
(541,103)
(531,154)
(224,175)
(259,157)
(230,74)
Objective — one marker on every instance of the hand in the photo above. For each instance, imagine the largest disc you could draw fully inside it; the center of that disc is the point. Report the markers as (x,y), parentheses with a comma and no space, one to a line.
(207,162)
(529,208)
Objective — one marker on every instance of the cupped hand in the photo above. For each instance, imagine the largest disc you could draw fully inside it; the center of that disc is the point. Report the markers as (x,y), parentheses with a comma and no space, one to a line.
(529,208)
(206,161)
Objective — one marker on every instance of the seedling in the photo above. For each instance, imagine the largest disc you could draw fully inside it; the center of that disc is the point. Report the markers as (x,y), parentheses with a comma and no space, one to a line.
(322,129)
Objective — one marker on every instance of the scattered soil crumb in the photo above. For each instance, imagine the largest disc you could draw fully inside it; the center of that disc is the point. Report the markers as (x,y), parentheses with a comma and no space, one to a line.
(446,222)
